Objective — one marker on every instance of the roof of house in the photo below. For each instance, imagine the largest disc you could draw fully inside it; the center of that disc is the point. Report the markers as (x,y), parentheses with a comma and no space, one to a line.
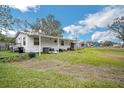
(41,34)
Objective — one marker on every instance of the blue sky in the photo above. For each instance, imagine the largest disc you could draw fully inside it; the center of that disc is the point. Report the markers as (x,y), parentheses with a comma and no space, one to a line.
(65,14)
(87,21)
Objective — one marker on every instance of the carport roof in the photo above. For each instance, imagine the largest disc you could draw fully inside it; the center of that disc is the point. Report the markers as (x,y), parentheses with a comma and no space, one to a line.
(42,35)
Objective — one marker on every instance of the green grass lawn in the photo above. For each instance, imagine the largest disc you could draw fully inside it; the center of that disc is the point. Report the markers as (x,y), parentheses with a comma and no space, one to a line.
(7,53)
(9,56)
(89,67)
(94,56)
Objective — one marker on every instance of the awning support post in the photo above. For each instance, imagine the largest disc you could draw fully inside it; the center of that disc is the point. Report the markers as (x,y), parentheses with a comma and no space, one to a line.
(39,45)
(58,44)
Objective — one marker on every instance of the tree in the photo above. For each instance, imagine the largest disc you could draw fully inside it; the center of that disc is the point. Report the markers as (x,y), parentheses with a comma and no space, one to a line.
(21,25)
(108,43)
(7,39)
(118,27)
(49,26)
(6,19)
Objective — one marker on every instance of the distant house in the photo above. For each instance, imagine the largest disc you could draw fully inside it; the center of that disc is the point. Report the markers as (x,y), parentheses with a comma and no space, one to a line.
(119,45)
(82,45)
(88,44)
(35,42)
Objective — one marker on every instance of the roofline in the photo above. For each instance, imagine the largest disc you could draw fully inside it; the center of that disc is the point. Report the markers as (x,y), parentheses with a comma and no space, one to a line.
(37,34)
(17,34)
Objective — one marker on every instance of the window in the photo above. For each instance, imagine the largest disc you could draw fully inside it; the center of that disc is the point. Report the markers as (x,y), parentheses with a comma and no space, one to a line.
(20,39)
(62,43)
(55,41)
(24,41)
(36,41)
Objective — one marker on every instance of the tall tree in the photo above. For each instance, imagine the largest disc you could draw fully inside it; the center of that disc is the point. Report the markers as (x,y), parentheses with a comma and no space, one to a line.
(49,26)
(21,25)
(6,19)
(118,27)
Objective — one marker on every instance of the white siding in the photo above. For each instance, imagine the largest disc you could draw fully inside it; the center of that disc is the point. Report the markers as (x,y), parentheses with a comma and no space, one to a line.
(31,46)
(45,42)
(19,40)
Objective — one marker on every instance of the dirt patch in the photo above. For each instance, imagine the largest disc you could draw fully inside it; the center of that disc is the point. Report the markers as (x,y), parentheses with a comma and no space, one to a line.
(91,72)
(40,65)
(82,72)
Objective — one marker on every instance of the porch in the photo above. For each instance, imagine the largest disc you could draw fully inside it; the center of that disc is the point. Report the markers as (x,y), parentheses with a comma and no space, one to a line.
(45,43)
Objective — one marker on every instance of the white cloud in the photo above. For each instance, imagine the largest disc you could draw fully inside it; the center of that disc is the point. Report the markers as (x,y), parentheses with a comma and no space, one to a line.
(72,28)
(3,32)
(103,18)
(103,36)
(22,5)
(97,20)
(10,33)
(69,37)
(25,8)
(73,31)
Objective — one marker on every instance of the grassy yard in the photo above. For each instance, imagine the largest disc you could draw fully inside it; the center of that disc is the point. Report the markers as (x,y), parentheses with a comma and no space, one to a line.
(7,53)
(89,67)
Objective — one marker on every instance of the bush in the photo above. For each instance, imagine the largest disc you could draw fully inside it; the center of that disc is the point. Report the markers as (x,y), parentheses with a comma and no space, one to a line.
(17,57)
(31,54)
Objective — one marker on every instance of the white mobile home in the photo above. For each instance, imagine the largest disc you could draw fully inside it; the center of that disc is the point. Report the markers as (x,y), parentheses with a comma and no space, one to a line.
(35,42)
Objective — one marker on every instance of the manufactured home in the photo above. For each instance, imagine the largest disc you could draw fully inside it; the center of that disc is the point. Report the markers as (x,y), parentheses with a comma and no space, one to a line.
(35,42)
